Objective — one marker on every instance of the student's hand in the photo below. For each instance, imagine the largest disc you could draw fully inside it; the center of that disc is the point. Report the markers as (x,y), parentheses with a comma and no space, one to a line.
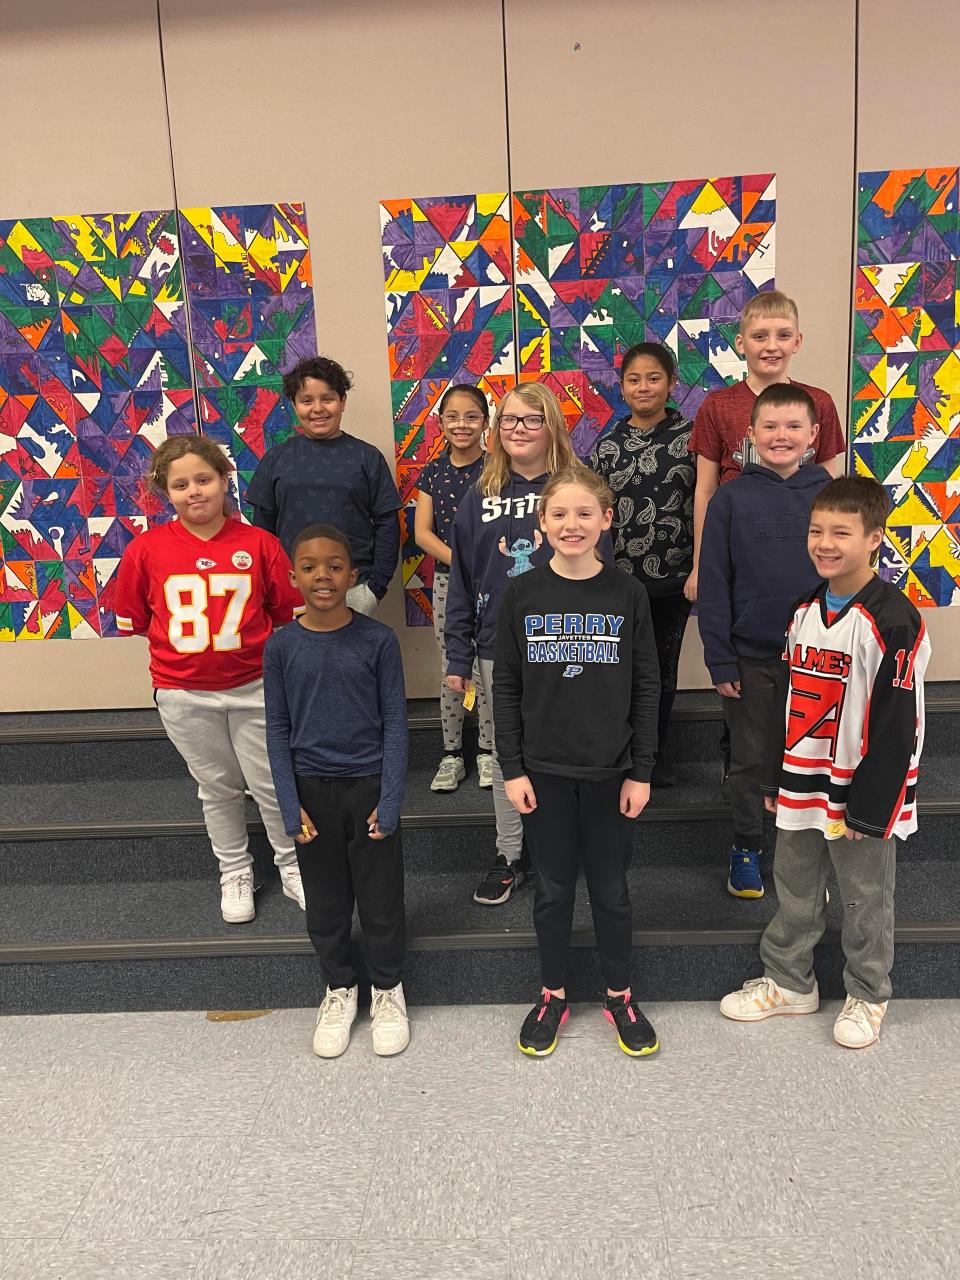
(520,794)
(728,689)
(634,797)
(770,804)
(459,684)
(308,831)
(373,831)
(852,835)
(690,587)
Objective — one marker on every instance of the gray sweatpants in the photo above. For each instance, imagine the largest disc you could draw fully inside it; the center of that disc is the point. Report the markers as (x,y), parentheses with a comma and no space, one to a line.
(451,704)
(222,736)
(866,874)
(509,824)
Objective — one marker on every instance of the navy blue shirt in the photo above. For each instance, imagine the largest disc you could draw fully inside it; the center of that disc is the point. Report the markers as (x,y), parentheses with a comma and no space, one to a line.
(343,482)
(336,708)
(446,485)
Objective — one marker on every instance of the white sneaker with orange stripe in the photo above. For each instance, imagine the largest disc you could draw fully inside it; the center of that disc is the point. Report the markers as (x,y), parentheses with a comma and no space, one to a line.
(762,998)
(858,1023)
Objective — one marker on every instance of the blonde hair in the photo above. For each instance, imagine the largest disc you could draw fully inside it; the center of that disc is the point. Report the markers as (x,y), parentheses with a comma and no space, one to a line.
(586,479)
(179,446)
(496,466)
(769,305)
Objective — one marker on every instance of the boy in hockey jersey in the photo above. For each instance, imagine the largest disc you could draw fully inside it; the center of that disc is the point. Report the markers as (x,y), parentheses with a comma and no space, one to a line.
(857,651)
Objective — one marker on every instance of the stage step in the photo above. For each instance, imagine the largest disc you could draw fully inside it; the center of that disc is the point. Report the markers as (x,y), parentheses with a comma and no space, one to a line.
(110,902)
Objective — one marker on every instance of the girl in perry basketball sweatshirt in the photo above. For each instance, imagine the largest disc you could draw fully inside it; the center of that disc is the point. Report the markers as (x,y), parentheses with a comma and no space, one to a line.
(496,538)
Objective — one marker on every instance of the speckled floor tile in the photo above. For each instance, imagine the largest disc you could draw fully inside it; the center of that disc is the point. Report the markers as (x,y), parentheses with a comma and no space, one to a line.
(297,1188)
(440,1186)
(159,1190)
(22,1259)
(752,1259)
(432,1260)
(590,1259)
(576,1184)
(697,1173)
(311,1095)
(883,1178)
(587,1086)
(934,1084)
(91,1035)
(444,1091)
(42,1182)
(142,1260)
(75,1099)
(195,1096)
(224,1259)
(883,1253)
(459,1031)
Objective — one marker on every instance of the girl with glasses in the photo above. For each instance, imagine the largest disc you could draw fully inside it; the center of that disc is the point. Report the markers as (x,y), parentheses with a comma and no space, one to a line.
(464,417)
(496,538)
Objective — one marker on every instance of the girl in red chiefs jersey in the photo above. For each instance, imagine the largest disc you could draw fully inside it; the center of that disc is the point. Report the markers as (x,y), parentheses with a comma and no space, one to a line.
(207,591)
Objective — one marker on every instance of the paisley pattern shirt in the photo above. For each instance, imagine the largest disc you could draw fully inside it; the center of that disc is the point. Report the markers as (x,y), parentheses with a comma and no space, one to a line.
(652,476)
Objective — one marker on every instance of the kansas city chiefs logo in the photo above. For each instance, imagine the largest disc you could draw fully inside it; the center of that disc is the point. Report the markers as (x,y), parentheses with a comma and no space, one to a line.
(204,563)
(241,559)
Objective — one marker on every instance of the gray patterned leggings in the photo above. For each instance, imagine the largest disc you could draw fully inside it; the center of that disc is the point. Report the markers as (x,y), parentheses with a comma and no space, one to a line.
(451,704)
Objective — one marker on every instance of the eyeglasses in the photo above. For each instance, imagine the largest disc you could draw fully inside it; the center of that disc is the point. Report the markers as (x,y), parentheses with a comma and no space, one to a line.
(468,419)
(532,421)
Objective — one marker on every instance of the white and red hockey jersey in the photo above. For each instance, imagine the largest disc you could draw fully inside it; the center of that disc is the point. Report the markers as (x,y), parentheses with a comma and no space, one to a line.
(855,718)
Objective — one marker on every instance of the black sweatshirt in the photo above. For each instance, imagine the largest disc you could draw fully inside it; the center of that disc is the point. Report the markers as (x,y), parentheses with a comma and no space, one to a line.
(577,683)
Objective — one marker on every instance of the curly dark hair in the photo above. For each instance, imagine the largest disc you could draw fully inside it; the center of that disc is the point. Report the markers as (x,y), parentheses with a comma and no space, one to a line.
(323,369)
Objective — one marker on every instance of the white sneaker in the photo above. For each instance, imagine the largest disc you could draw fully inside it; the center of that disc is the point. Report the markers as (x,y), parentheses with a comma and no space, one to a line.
(236,898)
(761,998)
(485,770)
(293,885)
(338,1012)
(450,774)
(391,1029)
(858,1023)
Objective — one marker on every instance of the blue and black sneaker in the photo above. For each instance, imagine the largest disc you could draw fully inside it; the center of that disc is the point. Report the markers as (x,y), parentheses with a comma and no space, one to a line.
(744,880)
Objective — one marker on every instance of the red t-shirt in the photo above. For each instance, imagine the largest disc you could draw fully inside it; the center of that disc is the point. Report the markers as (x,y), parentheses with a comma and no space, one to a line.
(207,607)
(720,427)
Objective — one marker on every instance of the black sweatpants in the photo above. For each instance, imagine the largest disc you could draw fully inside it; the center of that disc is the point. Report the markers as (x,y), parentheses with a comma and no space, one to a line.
(669,616)
(342,866)
(579,823)
(756,721)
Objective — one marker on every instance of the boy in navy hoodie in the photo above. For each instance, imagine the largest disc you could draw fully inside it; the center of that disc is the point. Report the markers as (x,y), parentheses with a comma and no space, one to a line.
(753,567)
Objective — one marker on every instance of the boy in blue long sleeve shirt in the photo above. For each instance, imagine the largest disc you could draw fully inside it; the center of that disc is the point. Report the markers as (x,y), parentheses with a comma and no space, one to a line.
(337,741)
(754,566)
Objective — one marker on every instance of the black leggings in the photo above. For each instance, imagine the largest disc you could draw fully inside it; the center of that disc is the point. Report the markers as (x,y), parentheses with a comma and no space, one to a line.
(669,615)
(578,824)
(343,866)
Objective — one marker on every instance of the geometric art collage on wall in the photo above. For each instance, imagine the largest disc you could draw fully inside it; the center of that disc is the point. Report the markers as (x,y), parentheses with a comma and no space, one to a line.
(117,330)
(905,419)
(553,286)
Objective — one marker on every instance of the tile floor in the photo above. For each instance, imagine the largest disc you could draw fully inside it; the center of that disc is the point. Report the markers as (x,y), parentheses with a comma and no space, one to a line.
(170,1147)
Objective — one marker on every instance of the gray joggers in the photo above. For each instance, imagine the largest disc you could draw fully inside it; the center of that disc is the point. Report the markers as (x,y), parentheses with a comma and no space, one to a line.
(451,704)
(222,736)
(509,824)
(866,872)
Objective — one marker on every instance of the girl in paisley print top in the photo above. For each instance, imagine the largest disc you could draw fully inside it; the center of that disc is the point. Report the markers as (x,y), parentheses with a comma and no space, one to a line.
(645,460)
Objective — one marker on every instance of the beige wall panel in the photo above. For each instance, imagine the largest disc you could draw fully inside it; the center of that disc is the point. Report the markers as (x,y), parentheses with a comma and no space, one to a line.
(909,108)
(909,91)
(341,105)
(82,93)
(84,83)
(612,92)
